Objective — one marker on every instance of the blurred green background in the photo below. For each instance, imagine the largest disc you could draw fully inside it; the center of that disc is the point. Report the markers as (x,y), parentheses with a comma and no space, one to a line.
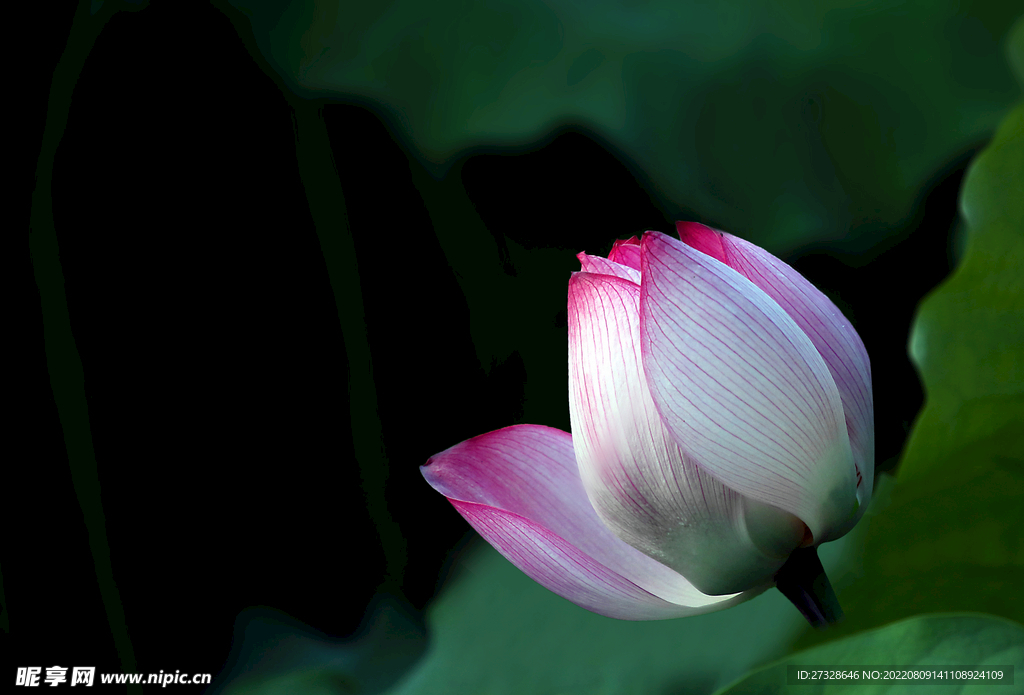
(791,123)
(306,245)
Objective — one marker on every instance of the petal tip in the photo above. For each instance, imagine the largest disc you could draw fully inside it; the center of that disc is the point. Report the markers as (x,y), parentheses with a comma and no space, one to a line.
(702,238)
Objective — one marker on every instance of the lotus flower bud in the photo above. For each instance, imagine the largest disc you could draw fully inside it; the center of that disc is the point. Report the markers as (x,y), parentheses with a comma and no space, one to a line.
(721,421)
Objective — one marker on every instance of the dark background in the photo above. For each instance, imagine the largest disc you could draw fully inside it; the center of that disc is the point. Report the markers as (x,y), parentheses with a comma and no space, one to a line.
(216,371)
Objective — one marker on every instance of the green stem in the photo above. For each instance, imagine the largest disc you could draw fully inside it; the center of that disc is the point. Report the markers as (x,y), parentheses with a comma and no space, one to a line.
(327,206)
(803,581)
(67,377)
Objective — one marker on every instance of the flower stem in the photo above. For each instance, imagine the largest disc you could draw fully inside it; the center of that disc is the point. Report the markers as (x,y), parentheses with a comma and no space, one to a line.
(63,361)
(803,581)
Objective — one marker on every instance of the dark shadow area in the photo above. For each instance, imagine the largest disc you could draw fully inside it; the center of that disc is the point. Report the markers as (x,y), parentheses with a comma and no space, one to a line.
(431,390)
(215,369)
(215,366)
(572,193)
(52,608)
(214,362)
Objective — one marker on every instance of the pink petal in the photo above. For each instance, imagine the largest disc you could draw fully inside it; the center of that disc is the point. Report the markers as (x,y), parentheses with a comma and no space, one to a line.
(704,239)
(640,482)
(626,252)
(742,388)
(829,331)
(603,266)
(520,489)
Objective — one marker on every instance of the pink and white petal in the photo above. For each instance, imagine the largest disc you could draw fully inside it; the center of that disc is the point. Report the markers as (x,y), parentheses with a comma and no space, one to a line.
(520,488)
(603,266)
(626,252)
(561,567)
(829,331)
(635,474)
(742,388)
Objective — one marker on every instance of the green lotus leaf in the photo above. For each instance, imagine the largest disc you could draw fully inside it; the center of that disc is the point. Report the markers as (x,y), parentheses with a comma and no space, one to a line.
(494,630)
(784,123)
(950,537)
(926,640)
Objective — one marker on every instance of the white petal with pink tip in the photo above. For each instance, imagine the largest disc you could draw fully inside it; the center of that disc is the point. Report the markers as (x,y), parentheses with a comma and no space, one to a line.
(832,336)
(639,480)
(602,266)
(742,388)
